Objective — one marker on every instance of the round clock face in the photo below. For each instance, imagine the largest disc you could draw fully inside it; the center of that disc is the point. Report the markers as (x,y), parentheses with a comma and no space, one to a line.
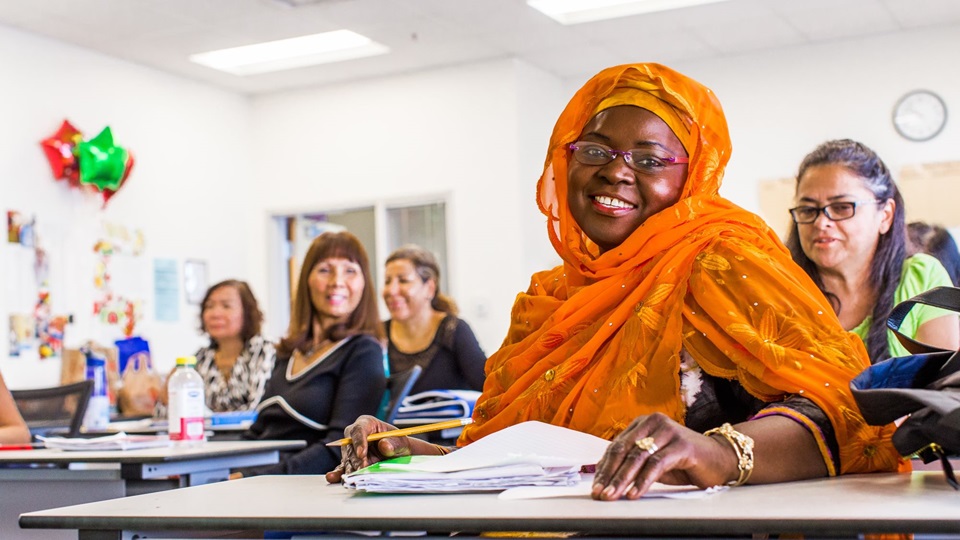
(920,115)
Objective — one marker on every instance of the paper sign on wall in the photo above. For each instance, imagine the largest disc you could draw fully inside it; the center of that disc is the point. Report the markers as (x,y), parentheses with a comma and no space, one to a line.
(166,290)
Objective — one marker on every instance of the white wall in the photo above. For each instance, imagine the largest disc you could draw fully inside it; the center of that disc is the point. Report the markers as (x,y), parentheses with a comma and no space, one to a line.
(541,101)
(459,131)
(189,190)
(780,105)
(213,167)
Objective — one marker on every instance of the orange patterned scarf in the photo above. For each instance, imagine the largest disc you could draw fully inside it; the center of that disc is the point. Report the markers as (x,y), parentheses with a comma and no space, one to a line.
(597,341)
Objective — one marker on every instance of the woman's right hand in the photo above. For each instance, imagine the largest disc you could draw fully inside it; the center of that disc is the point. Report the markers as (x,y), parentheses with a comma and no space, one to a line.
(358,454)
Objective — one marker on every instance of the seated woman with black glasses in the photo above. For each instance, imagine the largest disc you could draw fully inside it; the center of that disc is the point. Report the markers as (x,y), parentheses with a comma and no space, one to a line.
(849,235)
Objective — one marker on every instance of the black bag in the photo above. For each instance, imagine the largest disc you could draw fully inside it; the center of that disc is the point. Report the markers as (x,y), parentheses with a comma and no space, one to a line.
(925,385)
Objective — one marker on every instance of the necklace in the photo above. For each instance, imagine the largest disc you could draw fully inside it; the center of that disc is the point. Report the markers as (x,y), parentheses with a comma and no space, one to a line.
(303,360)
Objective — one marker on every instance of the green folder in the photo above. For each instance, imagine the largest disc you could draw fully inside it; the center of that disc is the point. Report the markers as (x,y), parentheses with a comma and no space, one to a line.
(384,466)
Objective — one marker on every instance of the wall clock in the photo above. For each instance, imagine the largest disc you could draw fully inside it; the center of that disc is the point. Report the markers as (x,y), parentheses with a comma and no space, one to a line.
(919,115)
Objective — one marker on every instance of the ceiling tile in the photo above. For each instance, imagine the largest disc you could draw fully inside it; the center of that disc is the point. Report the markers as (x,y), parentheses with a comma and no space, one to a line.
(822,20)
(750,33)
(572,62)
(431,33)
(672,46)
(919,13)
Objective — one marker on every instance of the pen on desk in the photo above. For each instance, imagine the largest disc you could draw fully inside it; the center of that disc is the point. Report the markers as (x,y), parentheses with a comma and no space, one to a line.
(30,446)
(415,430)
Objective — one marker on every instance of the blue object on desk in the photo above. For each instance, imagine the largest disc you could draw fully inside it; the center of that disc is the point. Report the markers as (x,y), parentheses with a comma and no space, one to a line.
(435,406)
(232,418)
(130,347)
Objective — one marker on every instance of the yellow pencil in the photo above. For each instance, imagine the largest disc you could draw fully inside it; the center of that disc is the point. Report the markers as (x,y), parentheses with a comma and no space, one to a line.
(446,424)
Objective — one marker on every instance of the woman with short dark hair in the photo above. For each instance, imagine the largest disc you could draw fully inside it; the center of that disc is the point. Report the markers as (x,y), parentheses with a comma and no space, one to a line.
(237,362)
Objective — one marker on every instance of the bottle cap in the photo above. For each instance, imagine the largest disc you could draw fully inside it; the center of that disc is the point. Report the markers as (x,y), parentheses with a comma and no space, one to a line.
(187,361)
(94,358)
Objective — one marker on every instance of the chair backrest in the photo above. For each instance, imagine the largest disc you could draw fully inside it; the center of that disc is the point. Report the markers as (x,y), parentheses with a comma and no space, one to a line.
(399,385)
(59,409)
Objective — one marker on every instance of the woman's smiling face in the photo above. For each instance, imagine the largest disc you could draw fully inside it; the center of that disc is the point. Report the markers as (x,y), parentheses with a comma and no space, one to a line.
(610,201)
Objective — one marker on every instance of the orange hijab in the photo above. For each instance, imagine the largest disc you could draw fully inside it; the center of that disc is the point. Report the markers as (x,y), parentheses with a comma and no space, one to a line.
(596,342)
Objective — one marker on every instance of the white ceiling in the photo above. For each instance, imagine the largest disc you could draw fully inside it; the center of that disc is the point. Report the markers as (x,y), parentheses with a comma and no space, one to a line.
(431,33)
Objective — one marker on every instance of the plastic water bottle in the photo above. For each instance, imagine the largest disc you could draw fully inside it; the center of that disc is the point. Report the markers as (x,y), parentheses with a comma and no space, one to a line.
(97,416)
(185,403)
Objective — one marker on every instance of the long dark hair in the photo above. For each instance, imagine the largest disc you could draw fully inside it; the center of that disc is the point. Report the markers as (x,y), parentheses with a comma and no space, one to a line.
(364,320)
(428,269)
(887,264)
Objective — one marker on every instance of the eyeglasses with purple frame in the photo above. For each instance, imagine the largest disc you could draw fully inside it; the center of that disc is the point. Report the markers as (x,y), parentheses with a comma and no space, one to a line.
(638,159)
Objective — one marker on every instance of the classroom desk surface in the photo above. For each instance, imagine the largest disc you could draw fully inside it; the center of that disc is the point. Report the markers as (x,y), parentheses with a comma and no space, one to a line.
(164,461)
(45,478)
(152,426)
(893,503)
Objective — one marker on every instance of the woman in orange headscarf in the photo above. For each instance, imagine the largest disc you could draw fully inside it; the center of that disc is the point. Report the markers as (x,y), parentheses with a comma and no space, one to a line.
(678,326)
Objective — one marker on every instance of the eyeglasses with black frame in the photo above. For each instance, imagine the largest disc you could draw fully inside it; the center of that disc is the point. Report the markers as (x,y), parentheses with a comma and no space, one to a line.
(639,159)
(837,211)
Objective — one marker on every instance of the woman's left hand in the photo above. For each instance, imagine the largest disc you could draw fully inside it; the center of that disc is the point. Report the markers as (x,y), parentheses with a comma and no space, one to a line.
(657,449)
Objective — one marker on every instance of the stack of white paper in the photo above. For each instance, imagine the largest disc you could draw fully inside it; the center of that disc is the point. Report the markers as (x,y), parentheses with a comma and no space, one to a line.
(117,441)
(387,480)
(527,454)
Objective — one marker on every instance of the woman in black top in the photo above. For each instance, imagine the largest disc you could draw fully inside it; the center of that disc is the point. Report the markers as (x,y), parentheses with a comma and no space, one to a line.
(329,367)
(424,329)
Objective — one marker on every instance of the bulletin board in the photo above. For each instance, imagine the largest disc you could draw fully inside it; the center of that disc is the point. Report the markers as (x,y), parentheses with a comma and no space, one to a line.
(33,286)
(89,277)
(928,192)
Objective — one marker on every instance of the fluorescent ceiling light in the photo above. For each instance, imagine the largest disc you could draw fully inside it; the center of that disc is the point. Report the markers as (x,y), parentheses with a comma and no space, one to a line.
(581,11)
(291,53)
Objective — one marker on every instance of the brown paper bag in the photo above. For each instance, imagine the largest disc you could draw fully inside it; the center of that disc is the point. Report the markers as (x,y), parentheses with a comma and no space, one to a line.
(140,386)
(73,367)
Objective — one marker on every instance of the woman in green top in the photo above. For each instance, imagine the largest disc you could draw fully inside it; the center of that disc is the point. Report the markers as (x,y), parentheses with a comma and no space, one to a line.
(849,235)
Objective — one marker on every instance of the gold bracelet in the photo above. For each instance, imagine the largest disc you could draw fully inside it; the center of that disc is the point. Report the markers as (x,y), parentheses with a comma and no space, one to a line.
(742,445)
(443,449)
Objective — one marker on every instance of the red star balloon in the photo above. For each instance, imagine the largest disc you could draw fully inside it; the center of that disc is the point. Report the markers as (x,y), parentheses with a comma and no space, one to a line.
(59,149)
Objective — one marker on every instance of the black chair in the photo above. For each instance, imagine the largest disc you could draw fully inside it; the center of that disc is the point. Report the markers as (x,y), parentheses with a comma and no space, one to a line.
(57,410)
(398,387)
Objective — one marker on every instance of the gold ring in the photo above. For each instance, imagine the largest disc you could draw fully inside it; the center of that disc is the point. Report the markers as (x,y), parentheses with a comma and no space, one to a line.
(646,444)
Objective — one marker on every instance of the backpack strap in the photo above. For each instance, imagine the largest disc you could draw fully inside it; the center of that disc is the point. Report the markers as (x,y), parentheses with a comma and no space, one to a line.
(942,297)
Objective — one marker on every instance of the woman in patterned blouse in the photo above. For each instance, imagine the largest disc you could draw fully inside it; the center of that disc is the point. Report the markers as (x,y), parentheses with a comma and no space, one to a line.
(237,363)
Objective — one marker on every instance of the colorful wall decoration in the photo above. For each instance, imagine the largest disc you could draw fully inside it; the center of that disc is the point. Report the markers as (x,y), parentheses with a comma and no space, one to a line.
(98,164)
(111,308)
(39,328)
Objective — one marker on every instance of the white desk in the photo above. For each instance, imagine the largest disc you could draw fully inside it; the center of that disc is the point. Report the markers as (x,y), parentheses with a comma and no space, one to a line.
(919,502)
(45,478)
(152,426)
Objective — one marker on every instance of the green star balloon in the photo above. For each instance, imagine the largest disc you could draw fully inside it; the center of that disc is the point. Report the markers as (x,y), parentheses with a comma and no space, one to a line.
(102,163)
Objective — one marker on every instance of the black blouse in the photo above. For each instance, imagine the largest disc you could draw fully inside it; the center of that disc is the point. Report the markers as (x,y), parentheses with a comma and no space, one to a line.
(453,361)
(318,403)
